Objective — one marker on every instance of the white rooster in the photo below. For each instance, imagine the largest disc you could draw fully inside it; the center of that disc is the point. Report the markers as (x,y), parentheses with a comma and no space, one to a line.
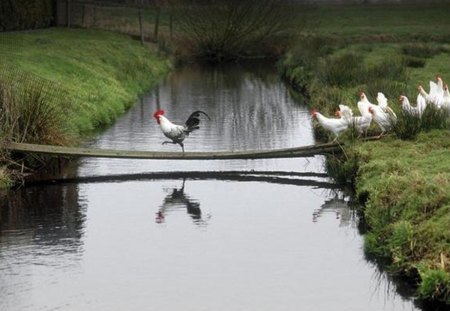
(421,104)
(336,126)
(177,133)
(361,123)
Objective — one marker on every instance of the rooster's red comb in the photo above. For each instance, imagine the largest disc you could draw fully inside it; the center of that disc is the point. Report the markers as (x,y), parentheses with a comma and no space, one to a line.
(158,113)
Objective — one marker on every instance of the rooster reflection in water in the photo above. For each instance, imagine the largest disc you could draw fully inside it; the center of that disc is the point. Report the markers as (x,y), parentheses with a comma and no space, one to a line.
(176,200)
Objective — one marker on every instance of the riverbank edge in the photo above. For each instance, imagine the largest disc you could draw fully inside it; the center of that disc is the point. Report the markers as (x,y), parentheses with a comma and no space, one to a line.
(376,182)
(55,57)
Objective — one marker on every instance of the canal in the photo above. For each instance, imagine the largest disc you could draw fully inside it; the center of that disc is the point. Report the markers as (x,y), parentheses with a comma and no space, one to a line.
(279,236)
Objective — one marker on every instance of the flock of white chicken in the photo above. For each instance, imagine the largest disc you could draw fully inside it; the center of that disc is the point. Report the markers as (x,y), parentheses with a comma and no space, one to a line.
(381,113)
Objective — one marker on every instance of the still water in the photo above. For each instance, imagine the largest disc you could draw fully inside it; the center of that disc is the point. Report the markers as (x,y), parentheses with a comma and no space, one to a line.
(122,239)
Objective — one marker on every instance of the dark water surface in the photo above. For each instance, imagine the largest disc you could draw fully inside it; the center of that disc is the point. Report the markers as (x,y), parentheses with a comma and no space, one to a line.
(264,241)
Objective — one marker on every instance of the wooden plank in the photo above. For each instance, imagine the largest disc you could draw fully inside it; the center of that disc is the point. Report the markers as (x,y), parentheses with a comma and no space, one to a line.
(306,151)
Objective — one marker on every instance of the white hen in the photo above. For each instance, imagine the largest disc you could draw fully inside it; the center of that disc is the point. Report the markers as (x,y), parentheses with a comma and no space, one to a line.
(446,100)
(336,126)
(420,105)
(382,101)
(360,123)
(384,120)
(364,104)
(436,93)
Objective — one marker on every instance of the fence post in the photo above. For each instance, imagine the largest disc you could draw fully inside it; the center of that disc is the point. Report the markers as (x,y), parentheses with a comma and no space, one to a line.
(83,12)
(155,34)
(140,24)
(171,26)
(68,13)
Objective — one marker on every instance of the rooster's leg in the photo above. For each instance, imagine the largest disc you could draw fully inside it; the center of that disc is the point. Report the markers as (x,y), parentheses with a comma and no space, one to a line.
(182,146)
(167,142)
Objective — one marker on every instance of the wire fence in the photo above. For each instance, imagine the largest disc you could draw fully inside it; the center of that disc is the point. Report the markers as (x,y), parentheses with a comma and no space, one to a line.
(148,20)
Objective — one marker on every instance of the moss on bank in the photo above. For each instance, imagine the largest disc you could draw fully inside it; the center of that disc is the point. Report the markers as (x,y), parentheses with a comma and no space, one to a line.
(82,79)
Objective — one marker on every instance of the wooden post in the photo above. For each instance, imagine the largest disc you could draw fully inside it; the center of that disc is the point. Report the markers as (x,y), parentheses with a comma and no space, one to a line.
(83,13)
(68,13)
(95,15)
(155,33)
(171,26)
(140,24)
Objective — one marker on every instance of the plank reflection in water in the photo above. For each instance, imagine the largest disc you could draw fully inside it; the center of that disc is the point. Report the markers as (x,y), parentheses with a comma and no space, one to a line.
(177,200)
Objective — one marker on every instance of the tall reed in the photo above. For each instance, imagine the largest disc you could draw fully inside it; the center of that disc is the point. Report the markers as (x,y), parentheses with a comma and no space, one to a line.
(31,111)
(409,125)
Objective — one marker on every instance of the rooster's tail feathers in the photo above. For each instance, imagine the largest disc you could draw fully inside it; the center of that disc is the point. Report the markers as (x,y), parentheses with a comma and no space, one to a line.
(194,120)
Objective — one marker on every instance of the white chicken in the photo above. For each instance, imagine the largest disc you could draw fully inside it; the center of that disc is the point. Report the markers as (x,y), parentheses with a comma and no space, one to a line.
(177,133)
(420,105)
(382,101)
(360,123)
(446,100)
(336,126)
(436,93)
(364,104)
(384,120)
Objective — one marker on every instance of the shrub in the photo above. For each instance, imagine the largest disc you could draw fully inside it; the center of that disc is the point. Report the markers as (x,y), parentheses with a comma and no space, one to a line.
(420,50)
(342,70)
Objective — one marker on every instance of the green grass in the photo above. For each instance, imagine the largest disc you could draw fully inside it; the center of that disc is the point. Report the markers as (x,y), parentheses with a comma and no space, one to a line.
(381,22)
(99,74)
(407,184)
(59,85)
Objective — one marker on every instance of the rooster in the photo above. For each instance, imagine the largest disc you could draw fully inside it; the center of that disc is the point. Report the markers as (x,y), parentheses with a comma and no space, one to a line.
(177,133)
(336,126)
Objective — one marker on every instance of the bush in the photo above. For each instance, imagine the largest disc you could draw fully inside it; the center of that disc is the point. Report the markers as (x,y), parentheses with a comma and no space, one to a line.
(420,50)
(342,70)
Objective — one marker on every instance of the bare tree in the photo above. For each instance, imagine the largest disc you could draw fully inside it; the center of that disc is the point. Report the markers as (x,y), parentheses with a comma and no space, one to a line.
(222,29)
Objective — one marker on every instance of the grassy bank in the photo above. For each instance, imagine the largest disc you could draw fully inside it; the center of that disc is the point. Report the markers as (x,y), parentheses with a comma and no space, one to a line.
(404,183)
(79,80)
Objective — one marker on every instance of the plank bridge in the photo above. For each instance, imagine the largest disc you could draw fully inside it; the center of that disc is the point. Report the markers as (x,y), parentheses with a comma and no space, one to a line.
(297,152)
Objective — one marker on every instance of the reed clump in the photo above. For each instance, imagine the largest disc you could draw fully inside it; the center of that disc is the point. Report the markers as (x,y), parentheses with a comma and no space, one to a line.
(30,111)
(409,125)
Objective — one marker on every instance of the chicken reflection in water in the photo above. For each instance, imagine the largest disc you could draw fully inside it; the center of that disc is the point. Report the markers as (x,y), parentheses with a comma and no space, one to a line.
(177,200)
(340,207)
